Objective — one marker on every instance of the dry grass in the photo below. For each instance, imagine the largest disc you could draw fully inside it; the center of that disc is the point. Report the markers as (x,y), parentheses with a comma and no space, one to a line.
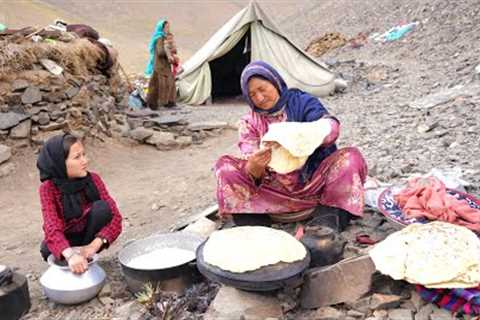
(78,57)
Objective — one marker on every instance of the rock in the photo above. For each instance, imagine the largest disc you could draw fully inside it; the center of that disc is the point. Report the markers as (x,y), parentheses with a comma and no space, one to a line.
(19,84)
(31,95)
(400,314)
(106,291)
(328,313)
(361,305)
(355,314)
(141,134)
(11,119)
(441,314)
(34,110)
(5,153)
(380,314)
(52,126)
(424,312)
(445,96)
(344,281)
(184,141)
(230,303)
(6,169)
(477,71)
(43,136)
(106,301)
(126,311)
(72,92)
(384,301)
(417,300)
(22,130)
(162,139)
(43,118)
(207,125)
(163,120)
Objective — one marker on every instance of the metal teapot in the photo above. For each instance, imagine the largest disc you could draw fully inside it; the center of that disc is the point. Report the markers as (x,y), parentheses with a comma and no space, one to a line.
(63,286)
(325,245)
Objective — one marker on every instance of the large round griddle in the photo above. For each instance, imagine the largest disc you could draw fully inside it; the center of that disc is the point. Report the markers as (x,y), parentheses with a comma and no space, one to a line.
(267,278)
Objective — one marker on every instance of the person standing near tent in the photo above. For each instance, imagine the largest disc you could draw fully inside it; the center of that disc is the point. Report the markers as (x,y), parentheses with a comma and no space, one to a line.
(161,88)
(330,178)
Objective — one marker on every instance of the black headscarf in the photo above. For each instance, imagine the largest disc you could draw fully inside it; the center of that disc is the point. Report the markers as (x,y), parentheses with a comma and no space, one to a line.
(51,163)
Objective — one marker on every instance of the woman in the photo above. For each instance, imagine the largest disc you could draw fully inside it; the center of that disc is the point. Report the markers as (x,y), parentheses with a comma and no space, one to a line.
(77,209)
(161,88)
(330,177)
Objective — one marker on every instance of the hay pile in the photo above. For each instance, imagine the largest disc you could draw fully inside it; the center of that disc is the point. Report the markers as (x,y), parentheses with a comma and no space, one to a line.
(325,43)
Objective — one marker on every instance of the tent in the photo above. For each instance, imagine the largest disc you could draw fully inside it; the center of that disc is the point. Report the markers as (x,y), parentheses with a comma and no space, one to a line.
(215,69)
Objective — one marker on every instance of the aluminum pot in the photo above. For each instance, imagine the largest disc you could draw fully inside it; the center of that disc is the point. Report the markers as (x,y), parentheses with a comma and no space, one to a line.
(63,286)
(175,278)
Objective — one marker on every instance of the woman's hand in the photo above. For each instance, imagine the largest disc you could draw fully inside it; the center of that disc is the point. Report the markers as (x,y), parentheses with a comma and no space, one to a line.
(93,247)
(258,161)
(77,263)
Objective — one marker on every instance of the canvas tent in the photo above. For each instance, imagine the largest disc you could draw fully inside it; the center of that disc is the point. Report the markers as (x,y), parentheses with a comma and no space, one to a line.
(250,35)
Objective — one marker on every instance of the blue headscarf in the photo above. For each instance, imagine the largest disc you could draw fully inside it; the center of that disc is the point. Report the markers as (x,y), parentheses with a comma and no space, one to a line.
(157,34)
(298,105)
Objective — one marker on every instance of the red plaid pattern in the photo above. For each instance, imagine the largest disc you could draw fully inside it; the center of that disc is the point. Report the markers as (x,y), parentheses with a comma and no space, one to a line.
(55,227)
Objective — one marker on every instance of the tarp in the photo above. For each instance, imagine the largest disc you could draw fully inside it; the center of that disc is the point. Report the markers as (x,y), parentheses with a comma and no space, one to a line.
(266,43)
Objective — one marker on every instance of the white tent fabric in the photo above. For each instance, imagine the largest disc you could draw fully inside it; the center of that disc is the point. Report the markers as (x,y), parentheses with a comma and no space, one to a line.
(267,43)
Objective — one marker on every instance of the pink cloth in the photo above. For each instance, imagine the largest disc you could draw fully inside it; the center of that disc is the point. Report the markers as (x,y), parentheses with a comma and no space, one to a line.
(428,197)
(337,182)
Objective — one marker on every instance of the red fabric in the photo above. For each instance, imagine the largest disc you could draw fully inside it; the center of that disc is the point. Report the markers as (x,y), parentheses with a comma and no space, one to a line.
(428,197)
(54,226)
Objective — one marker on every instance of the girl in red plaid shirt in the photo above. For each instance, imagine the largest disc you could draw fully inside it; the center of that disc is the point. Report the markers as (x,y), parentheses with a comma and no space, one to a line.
(77,209)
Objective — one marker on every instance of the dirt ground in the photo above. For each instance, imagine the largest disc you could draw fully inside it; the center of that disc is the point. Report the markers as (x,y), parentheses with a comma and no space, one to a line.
(180,182)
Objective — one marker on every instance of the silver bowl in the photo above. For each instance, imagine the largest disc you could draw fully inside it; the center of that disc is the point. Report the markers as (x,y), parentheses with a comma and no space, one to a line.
(63,286)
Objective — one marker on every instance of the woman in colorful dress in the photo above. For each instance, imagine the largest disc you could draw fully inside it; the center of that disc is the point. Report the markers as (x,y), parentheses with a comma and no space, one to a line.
(331,178)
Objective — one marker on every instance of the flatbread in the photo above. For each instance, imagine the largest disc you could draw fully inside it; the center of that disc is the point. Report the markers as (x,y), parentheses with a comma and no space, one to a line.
(162,258)
(436,255)
(297,141)
(243,249)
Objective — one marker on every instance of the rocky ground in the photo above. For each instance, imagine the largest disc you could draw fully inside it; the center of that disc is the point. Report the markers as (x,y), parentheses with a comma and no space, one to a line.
(410,106)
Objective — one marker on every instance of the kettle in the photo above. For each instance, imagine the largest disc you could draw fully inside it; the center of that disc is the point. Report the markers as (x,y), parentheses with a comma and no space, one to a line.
(325,245)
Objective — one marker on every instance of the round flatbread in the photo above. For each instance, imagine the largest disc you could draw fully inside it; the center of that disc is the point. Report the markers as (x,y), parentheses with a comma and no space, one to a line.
(243,249)
(297,141)
(437,255)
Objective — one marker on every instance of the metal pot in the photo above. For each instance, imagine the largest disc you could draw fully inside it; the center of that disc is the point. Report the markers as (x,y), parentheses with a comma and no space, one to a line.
(325,245)
(63,286)
(176,278)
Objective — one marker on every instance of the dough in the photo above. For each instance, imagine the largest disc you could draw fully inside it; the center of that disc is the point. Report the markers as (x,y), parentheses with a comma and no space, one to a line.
(297,141)
(243,249)
(436,255)
(162,259)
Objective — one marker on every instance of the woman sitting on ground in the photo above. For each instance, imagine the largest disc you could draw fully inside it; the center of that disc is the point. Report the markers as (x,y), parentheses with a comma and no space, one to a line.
(77,209)
(331,177)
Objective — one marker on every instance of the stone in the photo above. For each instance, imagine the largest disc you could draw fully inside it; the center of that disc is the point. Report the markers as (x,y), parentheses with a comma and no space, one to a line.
(345,281)
(55,97)
(380,314)
(400,314)
(417,300)
(477,72)
(208,125)
(162,139)
(6,169)
(106,291)
(355,314)
(360,305)
(424,312)
(384,301)
(203,227)
(5,153)
(31,95)
(19,85)
(43,118)
(230,303)
(72,92)
(328,313)
(52,126)
(34,110)
(163,121)
(43,136)
(441,314)
(11,119)
(141,134)
(444,96)
(106,301)
(184,141)
(22,130)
